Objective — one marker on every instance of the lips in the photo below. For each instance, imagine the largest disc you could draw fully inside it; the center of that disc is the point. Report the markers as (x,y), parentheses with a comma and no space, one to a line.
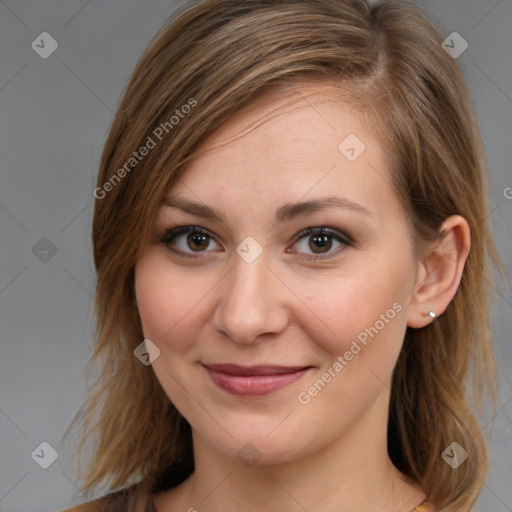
(253,381)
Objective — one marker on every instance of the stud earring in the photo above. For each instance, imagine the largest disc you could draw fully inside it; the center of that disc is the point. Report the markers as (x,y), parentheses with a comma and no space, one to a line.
(432,315)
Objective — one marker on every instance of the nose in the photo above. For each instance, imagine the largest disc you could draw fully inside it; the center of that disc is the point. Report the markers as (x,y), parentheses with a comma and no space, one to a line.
(252,302)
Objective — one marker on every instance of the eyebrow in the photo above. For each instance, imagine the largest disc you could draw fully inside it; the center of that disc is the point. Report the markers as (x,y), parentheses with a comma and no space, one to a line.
(286,212)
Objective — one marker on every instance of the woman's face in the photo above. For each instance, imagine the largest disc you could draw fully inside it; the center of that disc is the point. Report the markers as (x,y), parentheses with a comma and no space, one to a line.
(267,334)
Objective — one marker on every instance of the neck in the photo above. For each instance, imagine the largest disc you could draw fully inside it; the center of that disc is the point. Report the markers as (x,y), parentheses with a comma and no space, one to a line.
(351,474)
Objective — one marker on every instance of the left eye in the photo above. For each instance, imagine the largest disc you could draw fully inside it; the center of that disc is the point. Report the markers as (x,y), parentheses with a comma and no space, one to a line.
(319,240)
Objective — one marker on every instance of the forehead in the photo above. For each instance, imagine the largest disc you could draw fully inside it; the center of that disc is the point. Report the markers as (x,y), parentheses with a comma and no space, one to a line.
(280,110)
(297,124)
(295,142)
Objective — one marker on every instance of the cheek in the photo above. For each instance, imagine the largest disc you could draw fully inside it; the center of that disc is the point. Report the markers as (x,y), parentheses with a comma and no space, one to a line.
(359,307)
(332,309)
(169,303)
(154,301)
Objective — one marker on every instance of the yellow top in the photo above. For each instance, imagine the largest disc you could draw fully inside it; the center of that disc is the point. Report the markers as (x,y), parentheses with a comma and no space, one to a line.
(424,507)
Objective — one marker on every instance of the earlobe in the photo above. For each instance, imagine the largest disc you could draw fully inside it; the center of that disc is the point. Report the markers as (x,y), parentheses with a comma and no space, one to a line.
(441,273)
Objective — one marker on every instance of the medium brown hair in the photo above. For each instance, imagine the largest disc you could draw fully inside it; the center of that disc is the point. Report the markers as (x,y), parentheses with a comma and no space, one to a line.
(386,60)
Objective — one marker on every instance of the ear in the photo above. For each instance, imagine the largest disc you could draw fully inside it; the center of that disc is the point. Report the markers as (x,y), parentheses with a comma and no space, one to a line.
(440,272)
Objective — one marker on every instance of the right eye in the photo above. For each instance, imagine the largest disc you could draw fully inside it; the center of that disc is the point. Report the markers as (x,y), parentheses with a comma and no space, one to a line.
(197,240)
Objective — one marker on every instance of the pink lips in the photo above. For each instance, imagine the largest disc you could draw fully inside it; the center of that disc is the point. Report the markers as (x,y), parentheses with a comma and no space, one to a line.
(253,381)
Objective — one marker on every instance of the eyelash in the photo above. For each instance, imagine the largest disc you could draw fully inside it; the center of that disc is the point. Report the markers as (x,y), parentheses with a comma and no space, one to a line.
(171,233)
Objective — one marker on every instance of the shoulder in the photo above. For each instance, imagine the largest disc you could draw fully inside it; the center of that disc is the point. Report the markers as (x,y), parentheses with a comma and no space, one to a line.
(86,507)
(117,501)
(425,507)
(91,506)
(103,504)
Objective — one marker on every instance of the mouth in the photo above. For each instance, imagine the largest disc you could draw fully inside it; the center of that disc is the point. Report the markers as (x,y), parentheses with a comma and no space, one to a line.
(254,381)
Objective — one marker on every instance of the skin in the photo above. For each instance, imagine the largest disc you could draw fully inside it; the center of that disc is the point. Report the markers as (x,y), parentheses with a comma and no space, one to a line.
(287,309)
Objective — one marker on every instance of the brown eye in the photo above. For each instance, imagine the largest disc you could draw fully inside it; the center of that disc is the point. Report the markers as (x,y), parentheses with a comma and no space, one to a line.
(319,241)
(197,240)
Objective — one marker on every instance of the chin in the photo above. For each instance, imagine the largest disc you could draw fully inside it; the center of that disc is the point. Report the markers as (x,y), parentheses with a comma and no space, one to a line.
(262,443)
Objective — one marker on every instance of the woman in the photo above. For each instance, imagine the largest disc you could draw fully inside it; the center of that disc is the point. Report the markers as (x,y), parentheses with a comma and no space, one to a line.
(290,238)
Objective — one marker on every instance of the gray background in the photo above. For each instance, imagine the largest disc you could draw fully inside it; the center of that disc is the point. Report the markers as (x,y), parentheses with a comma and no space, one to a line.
(55,115)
